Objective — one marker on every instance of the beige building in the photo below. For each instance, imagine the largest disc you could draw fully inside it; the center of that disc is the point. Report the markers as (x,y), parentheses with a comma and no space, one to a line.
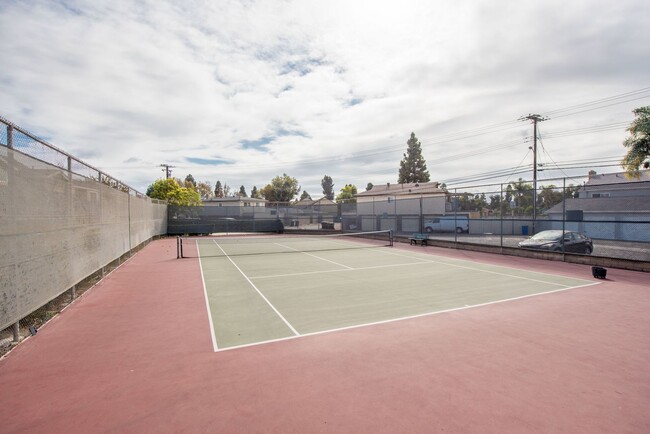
(235,201)
(403,199)
(398,207)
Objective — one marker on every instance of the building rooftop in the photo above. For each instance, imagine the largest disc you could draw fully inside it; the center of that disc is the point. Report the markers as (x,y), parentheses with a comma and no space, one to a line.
(413,188)
(617,178)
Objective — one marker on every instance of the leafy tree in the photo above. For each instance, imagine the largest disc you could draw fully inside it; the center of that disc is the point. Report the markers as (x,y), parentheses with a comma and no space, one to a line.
(347,194)
(205,190)
(185,197)
(413,168)
(190,179)
(162,188)
(305,195)
(171,191)
(328,187)
(467,202)
(369,186)
(548,197)
(226,190)
(572,192)
(242,192)
(495,202)
(522,194)
(254,193)
(218,189)
(638,144)
(281,189)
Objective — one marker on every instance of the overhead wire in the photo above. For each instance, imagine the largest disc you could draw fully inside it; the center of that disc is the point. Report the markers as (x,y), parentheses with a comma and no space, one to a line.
(600,103)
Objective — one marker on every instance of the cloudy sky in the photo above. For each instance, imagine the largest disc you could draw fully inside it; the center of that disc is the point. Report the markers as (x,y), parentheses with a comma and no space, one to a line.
(242,91)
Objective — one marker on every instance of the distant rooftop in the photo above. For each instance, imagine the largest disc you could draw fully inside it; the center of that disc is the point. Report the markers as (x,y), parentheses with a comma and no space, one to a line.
(389,189)
(617,178)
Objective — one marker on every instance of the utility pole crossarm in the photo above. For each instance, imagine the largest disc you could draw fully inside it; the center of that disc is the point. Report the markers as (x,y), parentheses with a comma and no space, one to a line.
(167,170)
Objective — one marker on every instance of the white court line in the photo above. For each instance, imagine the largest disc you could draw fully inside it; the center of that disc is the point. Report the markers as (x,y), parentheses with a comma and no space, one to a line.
(407,317)
(423,262)
(488,271)
(259,292)
(314,256)
(207,301)
(374,267)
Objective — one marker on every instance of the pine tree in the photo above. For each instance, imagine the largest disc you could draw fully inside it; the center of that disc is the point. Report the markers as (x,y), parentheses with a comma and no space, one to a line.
(413,168)
(254,193)
(242,192)
(328,187)
(218,189)
(190,179)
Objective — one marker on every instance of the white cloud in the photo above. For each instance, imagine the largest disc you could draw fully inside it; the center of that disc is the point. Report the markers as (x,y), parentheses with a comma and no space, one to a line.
(338,85)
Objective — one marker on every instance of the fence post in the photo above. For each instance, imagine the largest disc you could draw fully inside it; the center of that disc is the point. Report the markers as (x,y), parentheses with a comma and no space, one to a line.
(16,331)
(455,211)
(421,230)
(395,215)
(10,171)
(563,210)
(128,205)
(10,137)
(501,213)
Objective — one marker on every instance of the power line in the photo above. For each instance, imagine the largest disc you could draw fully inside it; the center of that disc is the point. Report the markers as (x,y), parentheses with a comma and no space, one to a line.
(600,103)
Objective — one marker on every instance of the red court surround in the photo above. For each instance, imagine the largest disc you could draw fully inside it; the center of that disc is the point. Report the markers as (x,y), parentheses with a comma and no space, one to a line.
(134,355)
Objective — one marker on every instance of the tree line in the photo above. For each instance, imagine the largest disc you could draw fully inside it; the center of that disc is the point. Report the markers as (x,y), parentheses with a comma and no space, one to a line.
(412,169)
(284,188)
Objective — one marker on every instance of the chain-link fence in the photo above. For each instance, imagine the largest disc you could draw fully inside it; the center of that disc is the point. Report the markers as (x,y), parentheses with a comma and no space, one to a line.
(606,215)
(62,222)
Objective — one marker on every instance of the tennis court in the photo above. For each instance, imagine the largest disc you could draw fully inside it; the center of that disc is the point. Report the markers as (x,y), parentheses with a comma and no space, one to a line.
(569,361)
(266,288)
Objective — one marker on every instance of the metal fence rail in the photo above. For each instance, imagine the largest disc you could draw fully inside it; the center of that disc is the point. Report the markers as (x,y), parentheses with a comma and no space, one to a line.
(14,137)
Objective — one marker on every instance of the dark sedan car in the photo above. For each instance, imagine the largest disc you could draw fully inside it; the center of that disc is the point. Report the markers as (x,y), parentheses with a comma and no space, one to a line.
(573,242)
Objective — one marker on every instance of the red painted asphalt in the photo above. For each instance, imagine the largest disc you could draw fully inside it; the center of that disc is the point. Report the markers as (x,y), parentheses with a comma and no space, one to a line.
(134,355)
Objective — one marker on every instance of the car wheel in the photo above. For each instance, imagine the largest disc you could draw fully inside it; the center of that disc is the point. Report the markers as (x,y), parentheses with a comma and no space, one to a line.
(587,250)
(429,230)
(459,230)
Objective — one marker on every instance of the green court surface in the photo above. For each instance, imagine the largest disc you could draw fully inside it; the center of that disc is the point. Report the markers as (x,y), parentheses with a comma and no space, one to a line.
(256,294)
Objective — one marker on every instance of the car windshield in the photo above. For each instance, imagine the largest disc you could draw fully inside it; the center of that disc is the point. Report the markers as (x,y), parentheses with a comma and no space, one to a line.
(547,235)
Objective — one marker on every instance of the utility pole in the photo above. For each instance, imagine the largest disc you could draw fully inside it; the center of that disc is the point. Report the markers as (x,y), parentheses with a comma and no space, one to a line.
(167,170)
(534,119)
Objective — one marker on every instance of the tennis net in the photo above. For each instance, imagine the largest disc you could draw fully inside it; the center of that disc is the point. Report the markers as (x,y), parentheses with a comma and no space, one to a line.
(200,247)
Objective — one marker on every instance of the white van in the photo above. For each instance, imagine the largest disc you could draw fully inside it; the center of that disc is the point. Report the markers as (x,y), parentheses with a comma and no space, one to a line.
(447,223)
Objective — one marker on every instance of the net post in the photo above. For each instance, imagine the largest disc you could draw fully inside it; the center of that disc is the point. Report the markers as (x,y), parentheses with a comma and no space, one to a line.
(178,247)
(181,240)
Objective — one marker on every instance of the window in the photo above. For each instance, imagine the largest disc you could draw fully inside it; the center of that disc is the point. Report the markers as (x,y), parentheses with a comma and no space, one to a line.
(599,194)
